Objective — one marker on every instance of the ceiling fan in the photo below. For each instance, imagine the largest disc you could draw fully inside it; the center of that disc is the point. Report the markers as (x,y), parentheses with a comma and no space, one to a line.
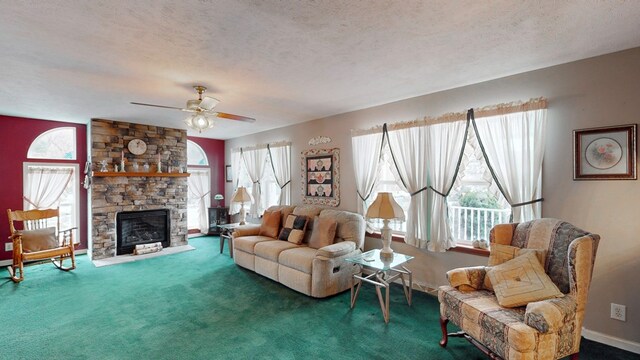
(202,111)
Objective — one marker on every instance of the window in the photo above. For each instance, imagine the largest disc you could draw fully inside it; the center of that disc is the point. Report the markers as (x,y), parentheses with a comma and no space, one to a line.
(48,186)
(268,185)
(475,203)
(195,155)
(199,183)
(387,183)
(55,144)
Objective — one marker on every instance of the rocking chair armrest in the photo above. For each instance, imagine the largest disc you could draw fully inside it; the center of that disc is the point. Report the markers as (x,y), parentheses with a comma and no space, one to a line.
(68,230)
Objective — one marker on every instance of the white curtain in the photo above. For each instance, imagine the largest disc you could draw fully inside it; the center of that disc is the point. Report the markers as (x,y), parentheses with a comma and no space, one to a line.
(366,165)
(236,163)
(445,143)
(408,149)
(281,166)
(45,185)
(200,191)
(514,148)
(255,161)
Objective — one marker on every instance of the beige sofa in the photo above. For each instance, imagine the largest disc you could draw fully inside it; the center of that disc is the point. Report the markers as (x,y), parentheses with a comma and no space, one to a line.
(314,272)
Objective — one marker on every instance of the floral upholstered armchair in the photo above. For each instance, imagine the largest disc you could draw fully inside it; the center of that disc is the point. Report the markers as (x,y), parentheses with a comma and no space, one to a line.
(491,304)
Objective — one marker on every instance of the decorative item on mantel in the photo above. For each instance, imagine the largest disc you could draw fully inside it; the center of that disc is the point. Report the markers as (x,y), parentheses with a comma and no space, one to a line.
(122,169)
(385,207)
(319,140)
(241,196)
(103,166)
(218,198)
(159,164)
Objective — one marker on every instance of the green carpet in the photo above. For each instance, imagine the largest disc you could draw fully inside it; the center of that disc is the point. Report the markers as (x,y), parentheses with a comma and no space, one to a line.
(200,305)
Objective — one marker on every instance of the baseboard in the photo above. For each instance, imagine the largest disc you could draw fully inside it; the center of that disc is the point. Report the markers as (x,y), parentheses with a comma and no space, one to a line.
(8,262)
(619,343)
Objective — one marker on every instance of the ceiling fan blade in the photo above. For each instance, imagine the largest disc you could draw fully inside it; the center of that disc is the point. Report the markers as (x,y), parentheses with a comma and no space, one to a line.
(235,117)
(160,106)
(208,103)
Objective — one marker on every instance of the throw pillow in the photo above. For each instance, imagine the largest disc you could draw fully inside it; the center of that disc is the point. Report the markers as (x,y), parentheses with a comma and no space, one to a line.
(270,224)
(323,233)
(502,253)
(294,228)
(522,280)
(40,239)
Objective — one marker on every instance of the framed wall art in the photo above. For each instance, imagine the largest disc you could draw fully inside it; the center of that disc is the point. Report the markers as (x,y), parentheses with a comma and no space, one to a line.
(606,153)
(227,173)
(321,177)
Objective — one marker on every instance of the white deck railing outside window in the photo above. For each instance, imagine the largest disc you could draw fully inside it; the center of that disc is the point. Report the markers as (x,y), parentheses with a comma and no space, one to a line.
(469,224)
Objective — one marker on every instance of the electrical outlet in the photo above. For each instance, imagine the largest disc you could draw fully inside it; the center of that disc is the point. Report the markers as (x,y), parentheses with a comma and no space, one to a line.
(618,312)
(8,246)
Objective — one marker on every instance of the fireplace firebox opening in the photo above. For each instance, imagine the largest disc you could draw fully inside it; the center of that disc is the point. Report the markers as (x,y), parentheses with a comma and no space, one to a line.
(142,227)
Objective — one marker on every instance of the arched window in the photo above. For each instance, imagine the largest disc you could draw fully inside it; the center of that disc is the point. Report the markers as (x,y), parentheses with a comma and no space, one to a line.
(199,183)
(195,155)
(58,144)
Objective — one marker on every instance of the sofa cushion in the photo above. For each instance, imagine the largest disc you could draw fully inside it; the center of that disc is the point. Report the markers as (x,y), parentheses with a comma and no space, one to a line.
(351,226)
(285,210)
(310,211)
(293,229)
(271,250)
(521,281)
(502,253)
(40,239)
(270,224)
(479,314)
(248,243)
(299,258)
(323,232)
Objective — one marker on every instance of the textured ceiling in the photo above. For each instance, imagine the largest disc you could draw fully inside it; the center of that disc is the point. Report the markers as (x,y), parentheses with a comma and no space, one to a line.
(281,62)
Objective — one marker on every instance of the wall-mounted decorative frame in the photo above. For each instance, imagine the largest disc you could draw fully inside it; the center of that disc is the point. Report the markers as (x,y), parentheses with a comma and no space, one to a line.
(227,173)
(321,177)
(606,153)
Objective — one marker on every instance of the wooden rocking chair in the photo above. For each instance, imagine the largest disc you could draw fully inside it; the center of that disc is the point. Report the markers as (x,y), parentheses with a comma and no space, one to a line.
(37,241)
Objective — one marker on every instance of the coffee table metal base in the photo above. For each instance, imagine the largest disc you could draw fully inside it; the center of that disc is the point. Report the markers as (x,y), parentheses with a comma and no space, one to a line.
(382,279)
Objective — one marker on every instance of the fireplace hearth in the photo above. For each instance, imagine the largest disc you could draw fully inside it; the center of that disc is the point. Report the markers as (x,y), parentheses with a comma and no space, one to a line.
(142,227)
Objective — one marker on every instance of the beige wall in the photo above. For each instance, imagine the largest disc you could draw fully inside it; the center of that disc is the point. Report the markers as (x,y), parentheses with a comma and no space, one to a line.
(595,92)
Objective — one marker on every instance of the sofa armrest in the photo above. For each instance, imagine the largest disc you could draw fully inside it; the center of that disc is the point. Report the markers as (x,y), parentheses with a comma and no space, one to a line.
(336,250)
(246,230)
(467,278)
(548,316)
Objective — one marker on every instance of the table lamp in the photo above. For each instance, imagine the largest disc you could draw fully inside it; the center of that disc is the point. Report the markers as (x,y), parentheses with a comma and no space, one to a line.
(217,198)
(385,207)
(241,196)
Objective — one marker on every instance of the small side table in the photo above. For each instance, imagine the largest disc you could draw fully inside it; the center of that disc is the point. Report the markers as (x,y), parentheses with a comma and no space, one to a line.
(385,272)
(225,234)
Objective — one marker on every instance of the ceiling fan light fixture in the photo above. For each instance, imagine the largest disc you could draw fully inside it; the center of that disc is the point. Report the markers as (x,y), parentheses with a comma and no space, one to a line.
(199,122)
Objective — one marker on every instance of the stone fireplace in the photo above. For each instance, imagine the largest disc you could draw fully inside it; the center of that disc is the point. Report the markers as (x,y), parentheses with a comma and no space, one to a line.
(122,193)
(142,227)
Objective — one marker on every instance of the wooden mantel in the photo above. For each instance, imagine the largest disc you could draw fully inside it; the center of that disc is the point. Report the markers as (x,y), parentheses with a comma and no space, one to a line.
(138,174)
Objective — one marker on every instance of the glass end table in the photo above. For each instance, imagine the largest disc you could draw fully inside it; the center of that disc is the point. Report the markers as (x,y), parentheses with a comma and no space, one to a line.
(225,234)
(385,271)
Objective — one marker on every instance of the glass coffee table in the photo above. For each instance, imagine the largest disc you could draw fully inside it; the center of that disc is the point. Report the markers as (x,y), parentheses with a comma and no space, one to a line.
(385,271)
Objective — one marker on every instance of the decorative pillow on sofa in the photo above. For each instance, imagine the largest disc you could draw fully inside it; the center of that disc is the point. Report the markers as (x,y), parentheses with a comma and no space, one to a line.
(323,233)
(294,228)
(522,280)
(502,253)
(40,239)
(270,224)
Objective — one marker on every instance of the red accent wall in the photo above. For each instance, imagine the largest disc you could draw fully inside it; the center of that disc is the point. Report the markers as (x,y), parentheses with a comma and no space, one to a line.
(215,154)
(16,135)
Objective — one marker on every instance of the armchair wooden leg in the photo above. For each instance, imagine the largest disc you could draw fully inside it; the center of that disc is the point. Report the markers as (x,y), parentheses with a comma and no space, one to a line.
(445,335)
(13,272)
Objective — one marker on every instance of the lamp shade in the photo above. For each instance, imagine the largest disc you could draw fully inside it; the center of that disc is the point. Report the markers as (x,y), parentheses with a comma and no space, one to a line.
(385,207)
(241,195)
(199,122)
(218,197)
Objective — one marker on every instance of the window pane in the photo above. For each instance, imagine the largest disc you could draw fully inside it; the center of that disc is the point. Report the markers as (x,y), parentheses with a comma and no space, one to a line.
(195,154)
(387,183)
(59,143)
(475,202)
